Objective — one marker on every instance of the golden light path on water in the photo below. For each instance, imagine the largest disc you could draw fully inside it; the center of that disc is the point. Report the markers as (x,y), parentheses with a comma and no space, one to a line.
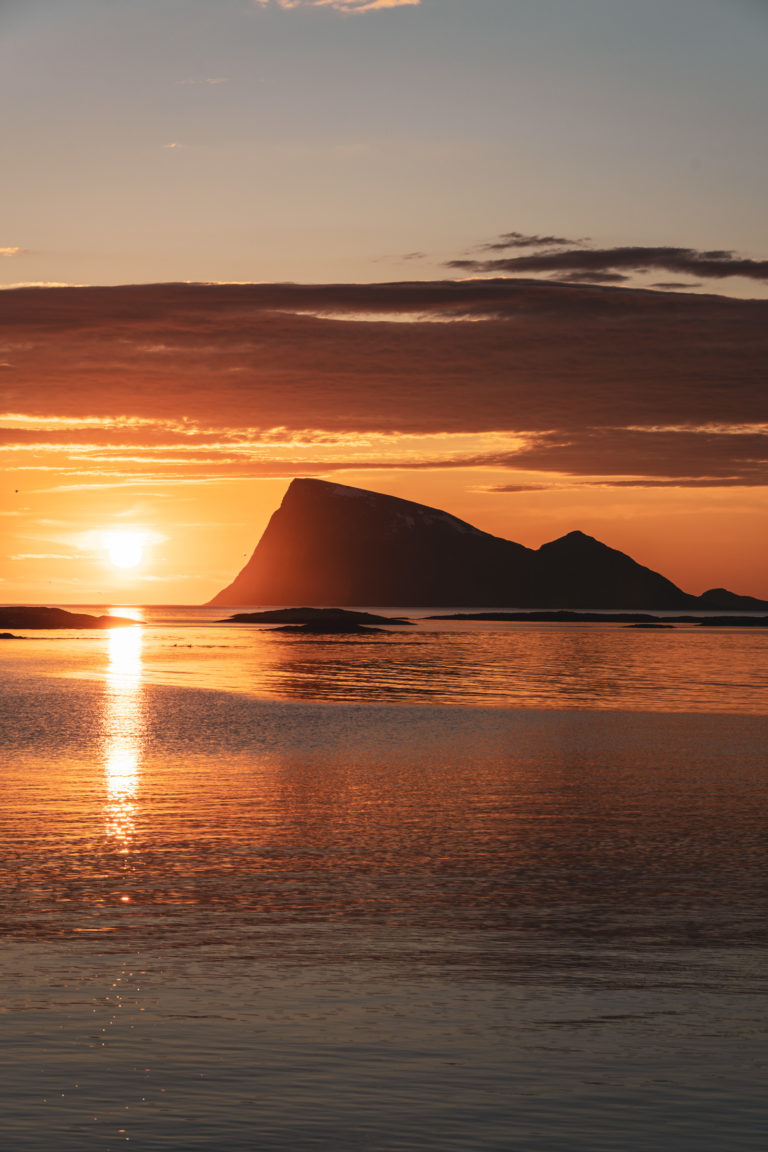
(123,730)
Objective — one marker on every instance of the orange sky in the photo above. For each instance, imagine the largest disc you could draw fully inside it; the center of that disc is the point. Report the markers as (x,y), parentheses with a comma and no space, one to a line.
(528,408)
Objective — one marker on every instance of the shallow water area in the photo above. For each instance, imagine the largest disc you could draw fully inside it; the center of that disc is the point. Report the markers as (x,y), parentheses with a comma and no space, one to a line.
(262,892)
(580,666)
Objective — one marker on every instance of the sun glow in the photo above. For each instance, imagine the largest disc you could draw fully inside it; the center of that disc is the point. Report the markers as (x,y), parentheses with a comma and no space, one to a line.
(124,549)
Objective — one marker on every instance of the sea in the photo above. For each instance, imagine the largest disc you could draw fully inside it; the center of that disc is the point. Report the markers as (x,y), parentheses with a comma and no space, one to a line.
(450,887)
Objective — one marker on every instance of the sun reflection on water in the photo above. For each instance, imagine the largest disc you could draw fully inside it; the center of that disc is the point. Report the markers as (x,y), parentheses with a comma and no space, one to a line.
(123,733)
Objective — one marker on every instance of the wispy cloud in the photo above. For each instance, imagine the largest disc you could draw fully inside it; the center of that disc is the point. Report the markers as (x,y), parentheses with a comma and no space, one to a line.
(211,80)
(36,284)
(595,278)
(577,262)
(520,240)
(9,253)
(53,423)
(42,556)
(340,5)
(400,257)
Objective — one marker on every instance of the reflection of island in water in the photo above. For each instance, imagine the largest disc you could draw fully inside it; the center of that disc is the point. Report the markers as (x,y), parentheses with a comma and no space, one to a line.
(123,733)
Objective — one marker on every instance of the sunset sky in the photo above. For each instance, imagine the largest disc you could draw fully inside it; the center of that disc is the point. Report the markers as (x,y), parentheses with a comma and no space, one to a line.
(507,257)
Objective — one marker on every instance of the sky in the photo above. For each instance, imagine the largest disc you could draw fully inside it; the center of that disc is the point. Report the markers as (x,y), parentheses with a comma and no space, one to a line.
(504,257)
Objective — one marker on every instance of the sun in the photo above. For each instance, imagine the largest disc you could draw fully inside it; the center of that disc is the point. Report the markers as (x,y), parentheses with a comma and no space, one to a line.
(124,549)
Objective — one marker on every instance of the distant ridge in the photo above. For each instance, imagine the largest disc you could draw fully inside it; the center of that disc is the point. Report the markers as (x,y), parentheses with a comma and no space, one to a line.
(336,546)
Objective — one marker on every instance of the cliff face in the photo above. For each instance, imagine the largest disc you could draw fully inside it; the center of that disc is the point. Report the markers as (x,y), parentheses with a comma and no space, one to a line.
(332,545)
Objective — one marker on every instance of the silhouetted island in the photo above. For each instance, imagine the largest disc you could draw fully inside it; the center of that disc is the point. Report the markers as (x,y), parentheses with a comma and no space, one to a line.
(332,618)
(720,599)
(329,544)
(36,617)
(631,619)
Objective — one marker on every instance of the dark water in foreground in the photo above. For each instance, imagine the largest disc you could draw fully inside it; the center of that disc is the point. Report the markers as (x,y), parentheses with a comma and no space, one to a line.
(247,905)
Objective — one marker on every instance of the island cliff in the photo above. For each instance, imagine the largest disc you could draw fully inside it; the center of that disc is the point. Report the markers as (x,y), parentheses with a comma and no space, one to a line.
(329,544)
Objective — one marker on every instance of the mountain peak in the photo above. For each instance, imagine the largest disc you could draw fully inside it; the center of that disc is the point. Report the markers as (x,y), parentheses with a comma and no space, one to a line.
(574,537)
(721,598)
(307,489)
(332,545)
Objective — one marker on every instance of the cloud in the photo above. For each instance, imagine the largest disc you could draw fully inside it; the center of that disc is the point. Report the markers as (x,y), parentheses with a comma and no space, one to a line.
(41,556)
(566,380)
(637,482)
(615,458)
(35,284)
(519,488)
(683,482)
(689,457)
(675,285)
(595,278)
(521,240)
(9,253)
(416,255)
(584,263)
(341,5)
(24,420)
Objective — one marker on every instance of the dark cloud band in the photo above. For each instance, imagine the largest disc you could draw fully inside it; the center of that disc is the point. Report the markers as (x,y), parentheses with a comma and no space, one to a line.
(713,265)
(571,368)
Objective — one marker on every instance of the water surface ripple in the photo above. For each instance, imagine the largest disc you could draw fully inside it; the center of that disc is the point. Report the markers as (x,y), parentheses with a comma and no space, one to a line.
(249,905)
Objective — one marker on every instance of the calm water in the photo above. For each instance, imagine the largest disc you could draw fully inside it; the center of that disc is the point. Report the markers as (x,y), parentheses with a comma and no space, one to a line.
(459,887)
